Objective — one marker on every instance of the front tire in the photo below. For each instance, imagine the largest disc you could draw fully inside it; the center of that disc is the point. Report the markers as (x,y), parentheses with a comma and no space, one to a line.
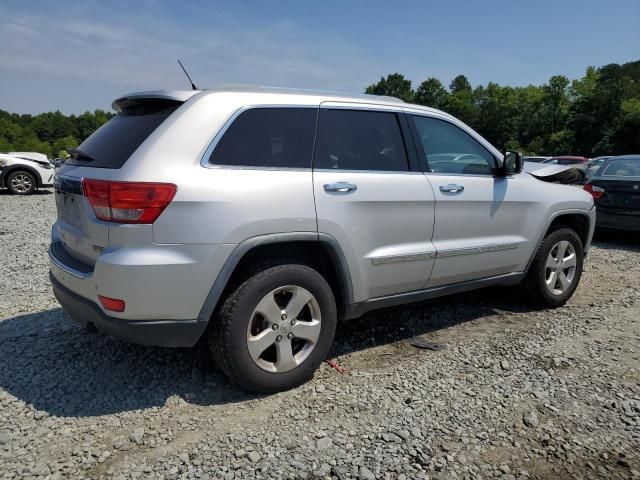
(21,183)
(556,269)
(274,330)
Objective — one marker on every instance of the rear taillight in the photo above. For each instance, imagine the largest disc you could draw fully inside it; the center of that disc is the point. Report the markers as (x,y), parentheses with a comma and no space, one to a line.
(128,202)
(594,190)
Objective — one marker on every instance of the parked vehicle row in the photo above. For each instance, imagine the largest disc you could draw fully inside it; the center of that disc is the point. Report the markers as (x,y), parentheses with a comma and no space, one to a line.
(258,217)
(22,173)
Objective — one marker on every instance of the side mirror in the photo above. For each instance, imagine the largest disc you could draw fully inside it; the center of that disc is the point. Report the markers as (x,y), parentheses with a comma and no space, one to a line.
(512,163)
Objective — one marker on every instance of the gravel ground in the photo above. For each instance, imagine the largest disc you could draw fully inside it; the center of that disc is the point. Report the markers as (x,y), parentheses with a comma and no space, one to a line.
(517,393)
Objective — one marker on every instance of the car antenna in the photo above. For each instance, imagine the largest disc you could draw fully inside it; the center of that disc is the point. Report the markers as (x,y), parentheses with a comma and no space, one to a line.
(193,85)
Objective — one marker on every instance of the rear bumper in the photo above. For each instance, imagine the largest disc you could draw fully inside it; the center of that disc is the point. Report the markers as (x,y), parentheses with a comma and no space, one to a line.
(618,220)
(161,333)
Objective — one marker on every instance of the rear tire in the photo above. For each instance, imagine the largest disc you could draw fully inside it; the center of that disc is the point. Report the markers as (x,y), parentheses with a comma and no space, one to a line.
(556,269)
(274,330)
(21,182)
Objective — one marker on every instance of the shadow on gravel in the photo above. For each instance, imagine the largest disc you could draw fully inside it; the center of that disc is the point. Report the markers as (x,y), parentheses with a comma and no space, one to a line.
(55,365)
(50,362)
(403,322)
(39,192)
(617,240)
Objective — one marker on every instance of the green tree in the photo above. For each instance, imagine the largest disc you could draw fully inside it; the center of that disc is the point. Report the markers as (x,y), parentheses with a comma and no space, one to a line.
(556,103)
(431,93)
(61,145)
(48,133)
(461,101)
(460,84)
(395,85)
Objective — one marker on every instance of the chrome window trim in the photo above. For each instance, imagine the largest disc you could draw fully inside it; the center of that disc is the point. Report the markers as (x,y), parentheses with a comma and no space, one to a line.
(267,169)
(370,107)
(365,107)
(404,257)
(383,172)
(454,252)
(479,175)
(204,160)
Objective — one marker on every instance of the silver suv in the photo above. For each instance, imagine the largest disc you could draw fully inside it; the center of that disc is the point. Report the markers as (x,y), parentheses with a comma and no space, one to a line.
(255,218)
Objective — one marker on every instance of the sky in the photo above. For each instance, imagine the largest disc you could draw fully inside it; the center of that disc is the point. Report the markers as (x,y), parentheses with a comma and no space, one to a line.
(78,55)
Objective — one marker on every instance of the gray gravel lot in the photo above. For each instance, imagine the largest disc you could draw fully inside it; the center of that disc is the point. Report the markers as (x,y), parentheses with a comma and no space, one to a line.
(517,393)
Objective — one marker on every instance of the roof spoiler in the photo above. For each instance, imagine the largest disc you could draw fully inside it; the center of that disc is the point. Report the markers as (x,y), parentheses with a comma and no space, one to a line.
(122,103)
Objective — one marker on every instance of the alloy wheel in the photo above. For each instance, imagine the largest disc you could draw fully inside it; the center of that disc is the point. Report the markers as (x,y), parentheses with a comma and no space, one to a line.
(284,329)
(560,268)
(21,183)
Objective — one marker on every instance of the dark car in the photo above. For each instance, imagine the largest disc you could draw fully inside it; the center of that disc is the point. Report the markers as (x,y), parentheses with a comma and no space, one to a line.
(615,187)
(567,160)
(594,164)
(535,159)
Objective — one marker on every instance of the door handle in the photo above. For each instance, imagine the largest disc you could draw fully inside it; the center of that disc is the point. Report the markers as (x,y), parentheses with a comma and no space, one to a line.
(451,188)
(340,187)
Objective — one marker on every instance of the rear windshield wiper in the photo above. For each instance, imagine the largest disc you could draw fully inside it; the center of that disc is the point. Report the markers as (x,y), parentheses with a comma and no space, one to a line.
(78,154)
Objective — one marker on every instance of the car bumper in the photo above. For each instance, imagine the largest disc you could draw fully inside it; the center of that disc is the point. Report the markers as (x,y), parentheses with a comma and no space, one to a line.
(157,282)
(618,220)
(161,333)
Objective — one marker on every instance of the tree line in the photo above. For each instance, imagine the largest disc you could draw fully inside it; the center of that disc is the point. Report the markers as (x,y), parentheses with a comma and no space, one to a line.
(51,133)
(598,114)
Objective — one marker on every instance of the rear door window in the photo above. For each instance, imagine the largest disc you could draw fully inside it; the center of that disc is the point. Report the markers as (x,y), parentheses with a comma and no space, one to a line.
(268,137)
(360,140)
(112,144)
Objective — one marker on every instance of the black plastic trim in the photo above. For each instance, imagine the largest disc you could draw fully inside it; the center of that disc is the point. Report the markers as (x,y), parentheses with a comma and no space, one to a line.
(59,253)
(359,309)
(409,143)
(243,248)
(160,333)
(70,185)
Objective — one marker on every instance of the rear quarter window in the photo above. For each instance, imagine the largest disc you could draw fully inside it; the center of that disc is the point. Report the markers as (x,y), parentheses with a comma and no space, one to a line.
(112,144)
(268,137)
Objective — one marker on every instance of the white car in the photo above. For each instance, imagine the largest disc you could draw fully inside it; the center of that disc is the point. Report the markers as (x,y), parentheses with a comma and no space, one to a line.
(23,176)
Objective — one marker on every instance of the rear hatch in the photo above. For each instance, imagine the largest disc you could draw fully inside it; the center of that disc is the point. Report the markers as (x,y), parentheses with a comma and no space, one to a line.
(620,194)
(620,179)
(82,235)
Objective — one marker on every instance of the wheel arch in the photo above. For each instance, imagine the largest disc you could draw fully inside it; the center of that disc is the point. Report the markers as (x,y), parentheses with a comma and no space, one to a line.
(15,168)
(320,251)
(578,220)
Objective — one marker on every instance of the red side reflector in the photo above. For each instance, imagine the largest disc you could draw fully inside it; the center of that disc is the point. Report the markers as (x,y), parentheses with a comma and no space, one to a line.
(113,304)
(128,202)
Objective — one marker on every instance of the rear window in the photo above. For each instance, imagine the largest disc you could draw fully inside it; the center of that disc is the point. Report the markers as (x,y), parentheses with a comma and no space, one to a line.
(268,137)
(621,168)
(112,144)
